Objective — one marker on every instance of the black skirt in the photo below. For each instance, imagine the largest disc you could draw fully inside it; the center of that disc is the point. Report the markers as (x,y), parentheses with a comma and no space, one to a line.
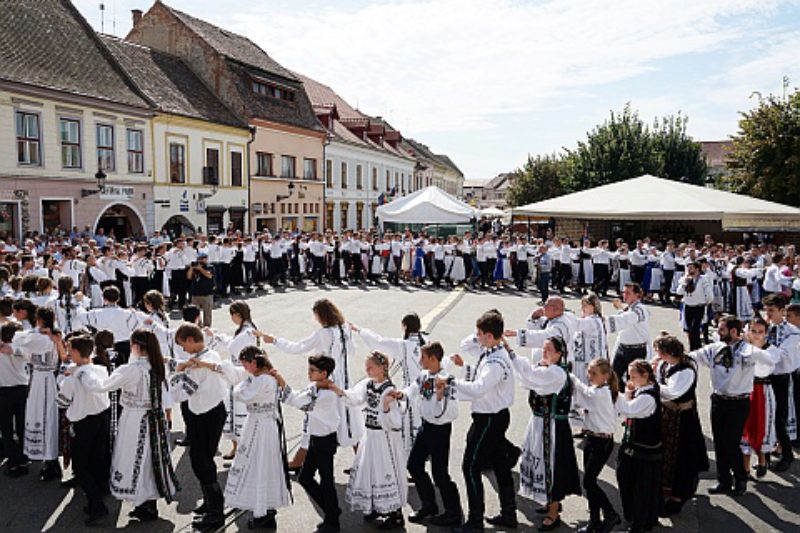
(566,478)
(639,483)
(685,453)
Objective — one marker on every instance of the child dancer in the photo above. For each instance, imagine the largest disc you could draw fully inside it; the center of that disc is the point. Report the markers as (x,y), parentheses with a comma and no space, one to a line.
(378,485)
(598,398)
(321,408)
(438,410)
(13,398)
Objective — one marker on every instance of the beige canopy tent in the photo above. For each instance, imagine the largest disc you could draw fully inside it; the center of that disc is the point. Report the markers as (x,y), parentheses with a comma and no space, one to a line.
(651,198)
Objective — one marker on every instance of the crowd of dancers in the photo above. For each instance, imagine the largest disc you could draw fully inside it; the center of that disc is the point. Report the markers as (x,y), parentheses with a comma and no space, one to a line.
(91,370)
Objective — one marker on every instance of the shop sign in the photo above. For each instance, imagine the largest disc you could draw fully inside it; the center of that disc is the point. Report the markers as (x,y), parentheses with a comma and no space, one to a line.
(117,192)
(201,207)
(184,203)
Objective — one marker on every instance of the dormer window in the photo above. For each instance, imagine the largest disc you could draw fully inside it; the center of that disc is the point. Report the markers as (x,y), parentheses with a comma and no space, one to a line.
(273,91)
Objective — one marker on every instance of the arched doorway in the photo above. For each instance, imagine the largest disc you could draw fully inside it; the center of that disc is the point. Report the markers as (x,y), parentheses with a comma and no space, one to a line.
(122,219)
(177,225)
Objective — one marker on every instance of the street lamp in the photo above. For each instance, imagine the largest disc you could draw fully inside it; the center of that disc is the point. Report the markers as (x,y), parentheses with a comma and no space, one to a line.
(282,197)
(100,177)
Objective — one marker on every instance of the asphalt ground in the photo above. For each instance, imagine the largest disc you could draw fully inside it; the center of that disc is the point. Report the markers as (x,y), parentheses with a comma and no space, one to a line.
(772,504)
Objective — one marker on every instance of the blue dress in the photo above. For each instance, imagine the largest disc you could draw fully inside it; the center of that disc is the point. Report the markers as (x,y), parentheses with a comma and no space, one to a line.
(419,262)
(499,274)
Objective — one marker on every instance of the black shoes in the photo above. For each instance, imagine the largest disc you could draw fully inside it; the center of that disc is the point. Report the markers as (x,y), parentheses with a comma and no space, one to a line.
(591,527)
(503,520)
(740,488)
(392,520)
(761,471)
(446,519)
(263,522)
(51,470)
(783,465)
(719,488)
(17,471)
(371,517)
(95,516)
(145,512)
(417,517)
(471,526)
(610,523)
(327,528)
(69,483)
(213,517)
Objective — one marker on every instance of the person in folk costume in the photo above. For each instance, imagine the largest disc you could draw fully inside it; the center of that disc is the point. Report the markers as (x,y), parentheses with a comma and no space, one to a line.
(418,274)
(334,339)
(13,399)
(155,306)
(88,413)
(651,278)
(668,259)
(405,352)
(548,469)
(489,386)
(244,336)
(337,266)
(237,268)
(122,275)
(121,322)
(499,274)
(159,280)
(639,459)
(458,269)
(597,397)
(205,391)
(585,275)
(632,323)
(680,271)
(378,484)
(105,355)
(44,293)
(449,258)
(407,262)
(684,447)
(69,308)
(623,271)
(92,277)
(742,278)
(142,267)
(759,436)
(141,467)
(258,480)
(793,317)
(589,343)
(376,261)
(550,320)
(38,346)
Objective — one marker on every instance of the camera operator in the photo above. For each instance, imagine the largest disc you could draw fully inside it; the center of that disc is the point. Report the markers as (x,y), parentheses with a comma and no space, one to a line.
(201,277)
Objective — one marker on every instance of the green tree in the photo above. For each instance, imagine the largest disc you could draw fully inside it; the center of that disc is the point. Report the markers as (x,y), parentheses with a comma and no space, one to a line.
(765,156)
(541,177)
(680,157)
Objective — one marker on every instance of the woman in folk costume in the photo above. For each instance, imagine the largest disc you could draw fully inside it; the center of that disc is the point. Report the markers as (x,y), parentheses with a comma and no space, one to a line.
(549,469)
(591,340)
(585,267)
(258,480)
(38,346)
(376,260)
(378,484)
(458,272)
(684,444)
(244,336)
(653,275)
(92,277)
(639,456)
(407,263)
(406,353)
(155,317)
(760,437)
(623,267)
(419,262)
(160,281)
(141,467)
(742,278)
(334,339)
(69,308)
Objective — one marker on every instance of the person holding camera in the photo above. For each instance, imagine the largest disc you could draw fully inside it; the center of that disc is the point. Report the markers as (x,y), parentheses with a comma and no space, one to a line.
(201,277)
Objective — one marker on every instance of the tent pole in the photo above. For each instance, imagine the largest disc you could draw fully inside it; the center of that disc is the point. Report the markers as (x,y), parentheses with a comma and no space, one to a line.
(529,228)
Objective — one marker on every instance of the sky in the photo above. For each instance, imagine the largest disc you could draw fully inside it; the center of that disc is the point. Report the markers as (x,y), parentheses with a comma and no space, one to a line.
(489,82)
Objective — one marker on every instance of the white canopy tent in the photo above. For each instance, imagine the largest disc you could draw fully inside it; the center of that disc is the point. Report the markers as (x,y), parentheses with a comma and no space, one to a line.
(492,212)
(651,198)
(427,206)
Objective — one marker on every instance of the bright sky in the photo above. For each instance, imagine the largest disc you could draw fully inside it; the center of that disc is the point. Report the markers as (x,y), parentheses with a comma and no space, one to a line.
(490,81)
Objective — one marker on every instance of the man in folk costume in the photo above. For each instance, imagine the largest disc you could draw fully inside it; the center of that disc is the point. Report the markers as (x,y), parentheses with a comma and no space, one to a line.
(550,320)
(633,325)
(121,322)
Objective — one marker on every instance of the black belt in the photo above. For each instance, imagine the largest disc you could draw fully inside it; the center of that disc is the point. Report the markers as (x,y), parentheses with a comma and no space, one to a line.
(731,398)
(762,381)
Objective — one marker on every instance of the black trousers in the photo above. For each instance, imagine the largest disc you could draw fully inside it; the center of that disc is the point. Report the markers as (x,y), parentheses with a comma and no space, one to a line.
(544,285)
(178,286)
(12,422)
(249,274)
(727,423)
(796,394)
(486,445)
(467,266)
(319,458)
(596,452)
(637,274)
(601,278)
(438,271)
(693,315)
(434,441)
(521,274)
(482,272)
(491,263)
(89,447)
(319,268)
(564,276)
(668,276)
(623,357)
(205,431)
(139,286)
(780,386)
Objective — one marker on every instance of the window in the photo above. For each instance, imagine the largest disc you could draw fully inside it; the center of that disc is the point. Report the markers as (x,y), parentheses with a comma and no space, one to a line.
(359,179)
(287,166)
(344,175)
(309,169)
(264,164)
(344,208)
(387,181)
(273,91)
(28,139)
(329,215)
(105,147)
(329,173)
(403,183)
(135,152)
(177,163)
(70,133)
(374,179)
(359,215)
(236,169)
(211,176)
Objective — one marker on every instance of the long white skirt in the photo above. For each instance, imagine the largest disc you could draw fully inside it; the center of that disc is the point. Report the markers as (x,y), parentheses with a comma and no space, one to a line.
(770,435)
(744,306)
(376,268)
(656,280)
(624,277)
(531,469)
(791,420)
(235,416)
(41,418)
(458,272)
(132,463)
(256,480)
(378,480)
(412,422)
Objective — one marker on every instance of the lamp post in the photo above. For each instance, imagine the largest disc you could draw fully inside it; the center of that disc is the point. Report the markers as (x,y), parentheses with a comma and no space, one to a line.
(100,177)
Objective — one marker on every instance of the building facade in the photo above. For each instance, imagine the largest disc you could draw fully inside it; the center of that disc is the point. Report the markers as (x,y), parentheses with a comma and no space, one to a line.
(285,152)
(68,113)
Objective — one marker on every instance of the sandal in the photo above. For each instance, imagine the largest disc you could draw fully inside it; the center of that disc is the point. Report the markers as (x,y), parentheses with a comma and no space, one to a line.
(554,523)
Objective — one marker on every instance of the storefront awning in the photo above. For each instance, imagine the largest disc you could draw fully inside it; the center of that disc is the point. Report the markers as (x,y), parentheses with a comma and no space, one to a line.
(237,209)
(216,208)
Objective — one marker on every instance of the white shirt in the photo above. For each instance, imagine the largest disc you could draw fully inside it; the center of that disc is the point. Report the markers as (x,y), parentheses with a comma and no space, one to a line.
(321,408)
(540,330)
(632,324)
(703,293)
(204,388)
(176,259)
(786,338)
(492,389)
(13,372)
(733,375)
(641,406)
(677,384)
(422,393)
(601,417)
(121,322)
(249,254)
(774,280)
(80,401)
(226,254)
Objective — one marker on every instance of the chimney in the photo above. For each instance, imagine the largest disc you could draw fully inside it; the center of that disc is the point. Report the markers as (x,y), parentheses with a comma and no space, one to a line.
(137,16)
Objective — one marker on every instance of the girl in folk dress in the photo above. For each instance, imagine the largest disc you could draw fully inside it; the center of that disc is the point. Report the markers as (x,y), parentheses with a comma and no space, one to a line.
(418,274)
(742,278)
(334,339)
(378,484)
(684,445)
(623,268)
(549,469)
(591,342)
(406,353)
(245,335)
(38,347)
(141,467)
(69,308)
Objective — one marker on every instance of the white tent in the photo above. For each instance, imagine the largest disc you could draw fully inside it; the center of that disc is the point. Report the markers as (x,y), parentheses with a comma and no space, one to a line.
(492,212)
(651,198)
(426,206)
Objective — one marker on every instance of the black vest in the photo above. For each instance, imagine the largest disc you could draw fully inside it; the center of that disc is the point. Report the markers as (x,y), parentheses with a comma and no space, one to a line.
(687,396)
(643,435)
(555,406)
(373,406)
